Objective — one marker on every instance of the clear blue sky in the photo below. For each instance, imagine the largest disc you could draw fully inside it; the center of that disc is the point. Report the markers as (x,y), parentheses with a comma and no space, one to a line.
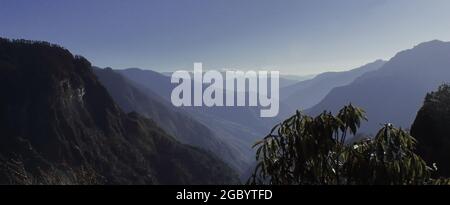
(295,36)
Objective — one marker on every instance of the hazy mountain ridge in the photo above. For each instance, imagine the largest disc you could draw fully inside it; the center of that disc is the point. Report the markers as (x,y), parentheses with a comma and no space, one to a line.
(305,94)
(135,98)
(394,92)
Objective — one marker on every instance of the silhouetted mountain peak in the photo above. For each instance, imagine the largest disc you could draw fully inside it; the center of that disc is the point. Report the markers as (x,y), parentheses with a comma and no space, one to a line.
(431,44)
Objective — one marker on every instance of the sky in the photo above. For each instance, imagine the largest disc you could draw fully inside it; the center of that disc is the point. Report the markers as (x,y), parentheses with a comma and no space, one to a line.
(293,36)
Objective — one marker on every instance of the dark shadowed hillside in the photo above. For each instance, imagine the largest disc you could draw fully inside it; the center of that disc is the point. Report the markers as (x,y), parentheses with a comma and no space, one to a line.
(432,129)
(59,125)
(394,93)
(173,120)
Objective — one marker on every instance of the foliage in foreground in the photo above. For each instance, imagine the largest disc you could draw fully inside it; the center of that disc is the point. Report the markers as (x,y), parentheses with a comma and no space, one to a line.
(313,151)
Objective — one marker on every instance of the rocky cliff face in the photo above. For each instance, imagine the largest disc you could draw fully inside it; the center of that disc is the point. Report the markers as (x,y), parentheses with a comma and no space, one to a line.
(59,125)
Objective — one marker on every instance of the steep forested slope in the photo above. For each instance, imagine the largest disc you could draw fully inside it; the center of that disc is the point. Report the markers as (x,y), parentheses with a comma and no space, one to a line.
(59,125)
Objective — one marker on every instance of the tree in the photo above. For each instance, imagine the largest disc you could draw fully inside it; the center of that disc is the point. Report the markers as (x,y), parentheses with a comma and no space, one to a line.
(304,150)
(432,128)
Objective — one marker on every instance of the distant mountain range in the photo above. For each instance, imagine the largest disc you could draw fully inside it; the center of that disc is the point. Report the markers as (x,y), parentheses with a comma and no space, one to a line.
(394,92)
(295,78)
(63,121)
(59,125)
